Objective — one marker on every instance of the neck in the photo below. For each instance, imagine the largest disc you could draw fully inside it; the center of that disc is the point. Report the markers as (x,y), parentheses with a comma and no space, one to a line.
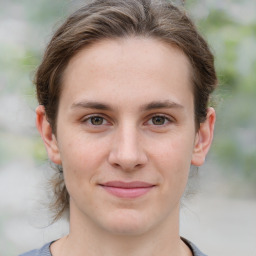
(85,238)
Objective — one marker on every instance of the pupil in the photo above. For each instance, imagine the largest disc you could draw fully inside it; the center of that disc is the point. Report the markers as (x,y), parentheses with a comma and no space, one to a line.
(158,120)
(97,120)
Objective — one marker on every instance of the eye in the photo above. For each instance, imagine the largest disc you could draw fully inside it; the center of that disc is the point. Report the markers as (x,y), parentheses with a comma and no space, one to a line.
(159,120)
(95,120)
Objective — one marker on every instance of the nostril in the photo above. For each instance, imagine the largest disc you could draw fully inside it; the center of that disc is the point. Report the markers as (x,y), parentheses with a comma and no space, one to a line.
(116,165)
(127,163)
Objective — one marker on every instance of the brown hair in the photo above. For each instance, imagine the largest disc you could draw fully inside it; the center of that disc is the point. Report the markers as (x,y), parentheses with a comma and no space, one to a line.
(101,19)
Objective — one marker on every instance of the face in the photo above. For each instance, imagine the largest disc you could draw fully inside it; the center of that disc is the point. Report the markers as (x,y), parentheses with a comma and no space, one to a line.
(126,134)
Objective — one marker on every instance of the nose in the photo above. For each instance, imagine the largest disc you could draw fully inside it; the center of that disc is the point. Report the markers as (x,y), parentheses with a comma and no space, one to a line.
(127,151)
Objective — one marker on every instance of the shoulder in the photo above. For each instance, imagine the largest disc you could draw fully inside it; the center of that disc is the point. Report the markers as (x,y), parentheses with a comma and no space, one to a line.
(44,251)
(193,247)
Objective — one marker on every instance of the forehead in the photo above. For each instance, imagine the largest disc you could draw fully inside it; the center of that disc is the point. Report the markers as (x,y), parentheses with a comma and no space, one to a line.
(115,51)
(131,66)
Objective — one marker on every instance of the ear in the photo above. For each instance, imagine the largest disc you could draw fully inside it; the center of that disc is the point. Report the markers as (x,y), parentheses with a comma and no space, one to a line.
(204,138)
(47,135)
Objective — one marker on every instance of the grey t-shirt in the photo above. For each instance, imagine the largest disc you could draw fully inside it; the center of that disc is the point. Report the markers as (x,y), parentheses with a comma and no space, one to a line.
(45,250)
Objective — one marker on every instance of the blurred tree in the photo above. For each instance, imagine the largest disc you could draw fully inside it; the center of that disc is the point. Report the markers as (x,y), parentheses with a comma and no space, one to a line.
(233,40)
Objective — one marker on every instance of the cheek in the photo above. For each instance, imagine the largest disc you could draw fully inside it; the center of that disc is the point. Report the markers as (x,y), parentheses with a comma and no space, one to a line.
(81,158)
(173,160)
(78,171)
(176,152)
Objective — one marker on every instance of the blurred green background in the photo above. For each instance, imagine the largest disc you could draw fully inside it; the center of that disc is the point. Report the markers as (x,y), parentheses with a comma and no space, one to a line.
(25,28)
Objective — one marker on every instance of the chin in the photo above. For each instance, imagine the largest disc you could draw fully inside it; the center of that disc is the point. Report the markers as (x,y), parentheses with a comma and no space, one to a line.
(127,222)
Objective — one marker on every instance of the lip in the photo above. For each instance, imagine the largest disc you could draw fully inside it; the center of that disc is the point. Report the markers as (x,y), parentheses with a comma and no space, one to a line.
(132,189)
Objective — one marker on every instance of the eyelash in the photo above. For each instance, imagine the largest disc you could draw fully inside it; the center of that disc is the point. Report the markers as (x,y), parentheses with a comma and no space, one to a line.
(89,120)
(167,120)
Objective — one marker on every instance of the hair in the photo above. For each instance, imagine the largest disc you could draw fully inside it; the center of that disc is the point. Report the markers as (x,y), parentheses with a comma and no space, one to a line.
(111,19)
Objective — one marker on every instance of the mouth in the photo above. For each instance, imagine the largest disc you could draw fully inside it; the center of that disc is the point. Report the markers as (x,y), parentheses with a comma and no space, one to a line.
(127,189)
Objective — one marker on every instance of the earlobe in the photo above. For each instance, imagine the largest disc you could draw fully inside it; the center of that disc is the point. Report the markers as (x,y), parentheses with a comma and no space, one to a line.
(47,135)
(204,138)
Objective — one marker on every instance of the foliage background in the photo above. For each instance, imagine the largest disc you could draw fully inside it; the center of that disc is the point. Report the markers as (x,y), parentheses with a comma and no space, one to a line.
(230,171)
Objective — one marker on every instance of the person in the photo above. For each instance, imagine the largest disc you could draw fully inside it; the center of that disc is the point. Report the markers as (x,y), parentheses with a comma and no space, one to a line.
(123,91)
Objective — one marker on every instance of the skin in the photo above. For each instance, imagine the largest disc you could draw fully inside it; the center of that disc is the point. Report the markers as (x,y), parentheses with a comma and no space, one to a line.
(126,113)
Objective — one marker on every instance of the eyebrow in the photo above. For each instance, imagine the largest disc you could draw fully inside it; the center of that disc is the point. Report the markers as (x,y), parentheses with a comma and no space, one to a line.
(91,104)
(149,106)
(161,104)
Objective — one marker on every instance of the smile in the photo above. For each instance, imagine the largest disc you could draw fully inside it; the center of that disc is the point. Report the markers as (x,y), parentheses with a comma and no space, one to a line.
(127,189)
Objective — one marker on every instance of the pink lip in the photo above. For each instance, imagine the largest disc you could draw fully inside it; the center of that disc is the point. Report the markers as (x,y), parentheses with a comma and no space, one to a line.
(127,189)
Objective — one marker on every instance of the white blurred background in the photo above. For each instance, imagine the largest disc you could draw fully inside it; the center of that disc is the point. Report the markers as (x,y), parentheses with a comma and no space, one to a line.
(220,218)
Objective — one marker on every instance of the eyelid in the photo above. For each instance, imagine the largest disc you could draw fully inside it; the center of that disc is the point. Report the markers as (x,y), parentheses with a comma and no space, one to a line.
(167,118)
(107,120)
(88,117)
